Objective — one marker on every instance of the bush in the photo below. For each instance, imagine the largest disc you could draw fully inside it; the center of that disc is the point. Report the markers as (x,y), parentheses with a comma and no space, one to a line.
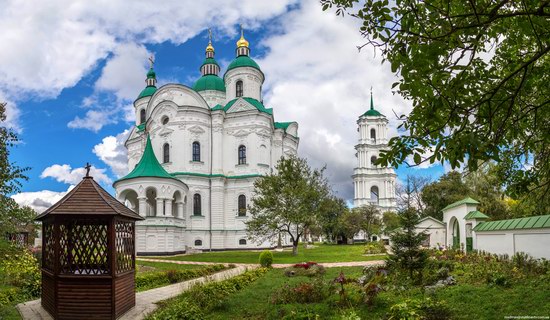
(21,270)
(311,271)
(419,309)
(266,259)
(303,292)
(375,248)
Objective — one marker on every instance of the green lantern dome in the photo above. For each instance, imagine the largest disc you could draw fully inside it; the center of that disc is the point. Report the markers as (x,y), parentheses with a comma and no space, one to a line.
(151,74)
(209,82)
(243,61)
(151,82)
(147,92)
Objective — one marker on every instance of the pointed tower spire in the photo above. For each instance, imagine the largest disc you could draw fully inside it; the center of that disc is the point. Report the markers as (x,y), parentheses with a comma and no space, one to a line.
(371,103)
(150,81)
(210,66)
(242,45)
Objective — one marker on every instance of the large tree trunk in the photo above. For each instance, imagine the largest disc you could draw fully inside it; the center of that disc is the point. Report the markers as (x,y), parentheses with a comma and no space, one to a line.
(295,246)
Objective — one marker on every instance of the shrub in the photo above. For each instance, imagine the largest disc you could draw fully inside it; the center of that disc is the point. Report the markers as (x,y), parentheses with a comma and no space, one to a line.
(376,247)
(151,280)
(419,309)
(21,270)
(313,271)
(266,259)
(303,292)
(498,279)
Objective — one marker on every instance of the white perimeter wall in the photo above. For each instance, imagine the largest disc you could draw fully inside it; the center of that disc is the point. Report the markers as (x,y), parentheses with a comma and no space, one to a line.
(535,242)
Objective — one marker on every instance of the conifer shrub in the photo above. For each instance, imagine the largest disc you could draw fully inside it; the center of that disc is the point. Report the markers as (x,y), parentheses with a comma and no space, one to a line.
(266,259)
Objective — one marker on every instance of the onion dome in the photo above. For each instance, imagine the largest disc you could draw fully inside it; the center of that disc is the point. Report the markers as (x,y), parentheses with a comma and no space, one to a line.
(242,45)
(209,70)
(151,82)
(372,112)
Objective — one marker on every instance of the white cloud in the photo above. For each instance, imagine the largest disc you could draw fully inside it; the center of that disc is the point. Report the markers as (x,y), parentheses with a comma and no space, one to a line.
(424,165)
(112,151)
(12,114)
(94,120)
(64,173)
(40,200)
(316,76)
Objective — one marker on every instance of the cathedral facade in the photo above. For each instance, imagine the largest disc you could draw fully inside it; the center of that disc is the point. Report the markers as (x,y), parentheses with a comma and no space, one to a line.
(373,184)
(194,154)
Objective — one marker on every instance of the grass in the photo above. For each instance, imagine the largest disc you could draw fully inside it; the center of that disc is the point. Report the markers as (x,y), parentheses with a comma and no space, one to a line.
(466,301)
(148,266)
(8,311)
(320,253)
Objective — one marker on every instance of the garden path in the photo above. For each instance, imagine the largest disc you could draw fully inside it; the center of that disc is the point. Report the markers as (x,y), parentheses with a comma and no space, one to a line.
(276,265)
(146,300)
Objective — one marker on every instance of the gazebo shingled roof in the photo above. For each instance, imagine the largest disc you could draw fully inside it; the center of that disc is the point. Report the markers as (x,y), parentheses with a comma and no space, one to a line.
(89,198)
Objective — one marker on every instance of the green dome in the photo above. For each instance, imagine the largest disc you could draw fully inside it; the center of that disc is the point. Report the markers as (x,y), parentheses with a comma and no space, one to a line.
(151,73)
(147,92)
(209,82)
(243,61)
(372,113)
(210,61)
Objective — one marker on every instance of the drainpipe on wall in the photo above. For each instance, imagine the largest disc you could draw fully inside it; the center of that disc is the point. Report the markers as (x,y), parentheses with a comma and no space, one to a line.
(210,184)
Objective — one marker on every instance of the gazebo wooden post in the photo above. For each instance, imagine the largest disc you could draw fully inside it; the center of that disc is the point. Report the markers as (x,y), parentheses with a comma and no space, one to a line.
(112,260)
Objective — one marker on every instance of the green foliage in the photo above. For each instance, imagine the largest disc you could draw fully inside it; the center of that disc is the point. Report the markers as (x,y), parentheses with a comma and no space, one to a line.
(439,194)
(303,292)
(390,221)
(266,259)
(197,302)
(427,309)
(328,217)
(314,270)
(287,201)
(150,280)
(21,270)
(407,254)
(477,76)
(375,247)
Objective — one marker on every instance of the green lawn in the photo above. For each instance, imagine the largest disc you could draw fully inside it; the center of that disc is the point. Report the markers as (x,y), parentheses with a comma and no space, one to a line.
(147,266)
(321,253)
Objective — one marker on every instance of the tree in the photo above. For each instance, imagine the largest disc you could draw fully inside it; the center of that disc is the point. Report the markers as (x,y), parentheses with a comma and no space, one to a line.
(371,223)
(391,221)
(287,201)
(10,179)
(328,217)
(477,75)
(488,189)
(349,223)
(406,251)
(439,194)
(409,193)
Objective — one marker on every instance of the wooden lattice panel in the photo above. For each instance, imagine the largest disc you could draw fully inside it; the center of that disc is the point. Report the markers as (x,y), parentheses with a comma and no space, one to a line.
(84,248)
(49,247)
(124,246)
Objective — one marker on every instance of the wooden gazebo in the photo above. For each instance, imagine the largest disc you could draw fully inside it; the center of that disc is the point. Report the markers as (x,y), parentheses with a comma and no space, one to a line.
(88,255)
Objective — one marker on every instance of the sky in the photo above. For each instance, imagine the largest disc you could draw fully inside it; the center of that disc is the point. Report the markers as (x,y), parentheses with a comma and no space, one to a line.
(70,71)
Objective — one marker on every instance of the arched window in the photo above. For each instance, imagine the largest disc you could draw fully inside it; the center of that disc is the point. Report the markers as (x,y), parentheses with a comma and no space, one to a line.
(196,151)
(372,161)
(239,88)
(264,156)
(242,205)
(198,243)
(197,205)
(166,153)
(373,134)
(242,242)
(165,120)
(242,154)
(374,194)
(142,116)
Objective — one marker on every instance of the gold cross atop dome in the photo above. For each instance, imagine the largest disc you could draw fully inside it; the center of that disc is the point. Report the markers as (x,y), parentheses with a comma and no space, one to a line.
(242,41)
(209,48)
(151,61)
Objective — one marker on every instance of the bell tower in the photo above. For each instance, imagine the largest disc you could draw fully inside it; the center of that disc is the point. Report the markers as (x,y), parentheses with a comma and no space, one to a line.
(373,184)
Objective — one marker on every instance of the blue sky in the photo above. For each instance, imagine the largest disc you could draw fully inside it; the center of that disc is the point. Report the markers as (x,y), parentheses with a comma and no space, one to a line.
(74,71)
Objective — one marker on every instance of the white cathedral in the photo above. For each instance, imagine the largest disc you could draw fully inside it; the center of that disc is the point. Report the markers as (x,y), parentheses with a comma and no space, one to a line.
(195,153)
(373,184)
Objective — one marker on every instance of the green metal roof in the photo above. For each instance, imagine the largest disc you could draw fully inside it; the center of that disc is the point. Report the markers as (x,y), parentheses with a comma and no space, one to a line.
(206,175)
(243,61)
(283,125)
(476,215)
(467,200)
(148,166)
(252,101)
(147,92)
(151,73)
(209,82)
(535,222)
(140,127)
(210,61)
